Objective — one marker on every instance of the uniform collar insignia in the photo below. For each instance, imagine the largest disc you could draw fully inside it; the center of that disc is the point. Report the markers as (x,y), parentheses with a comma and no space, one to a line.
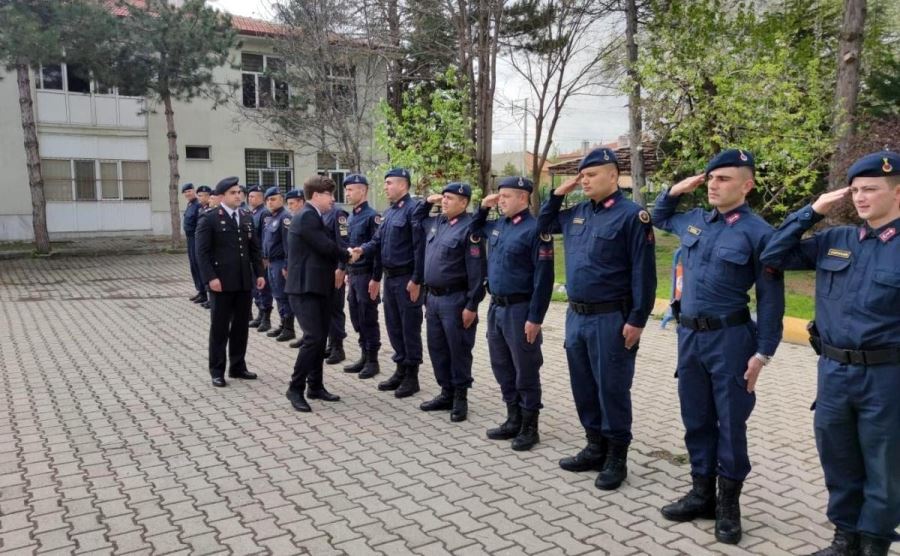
(863,232)
(887,234)
(732,218)
(517,219)
(221,212)
(357,209)
(400,204)
(609,202)
(454,221)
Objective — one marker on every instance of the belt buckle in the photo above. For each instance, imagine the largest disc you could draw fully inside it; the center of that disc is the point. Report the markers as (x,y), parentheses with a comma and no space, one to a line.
(855,357)
(702,324)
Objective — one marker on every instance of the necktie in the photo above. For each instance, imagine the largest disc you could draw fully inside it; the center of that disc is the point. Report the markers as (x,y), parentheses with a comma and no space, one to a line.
(235,218)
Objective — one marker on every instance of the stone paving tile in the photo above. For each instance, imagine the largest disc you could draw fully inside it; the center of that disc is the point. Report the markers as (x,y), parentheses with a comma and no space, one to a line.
(115,443)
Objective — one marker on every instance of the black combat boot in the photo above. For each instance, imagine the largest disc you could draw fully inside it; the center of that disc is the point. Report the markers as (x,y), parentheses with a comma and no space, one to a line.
(276,332)
(265,321)
(394,381)
(871,546)
(845,543)
(337,353)
(511,427)
(287,331)
(528,435)
(700,501)
(590,458)
(441,402)
(328,349)
(460,405)
(615,468)
(371,369)
(254,322)
(728,511)
(410,384)
(358,365)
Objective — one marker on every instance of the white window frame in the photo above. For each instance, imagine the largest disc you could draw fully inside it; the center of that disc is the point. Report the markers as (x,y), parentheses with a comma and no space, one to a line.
(278,170)
(64,71)
(259,76)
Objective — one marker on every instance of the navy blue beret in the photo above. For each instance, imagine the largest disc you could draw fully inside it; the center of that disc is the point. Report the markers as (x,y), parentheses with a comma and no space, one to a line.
(204,189)
(730,158)
(272,191)
(355,178)
(458,188)
(294,194)
(397,173)
(598,157)
(225,185)
(875,165)
(254,189)
(187,187)
(516,182)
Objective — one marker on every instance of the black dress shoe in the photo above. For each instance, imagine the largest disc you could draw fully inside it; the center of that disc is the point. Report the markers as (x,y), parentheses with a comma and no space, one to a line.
(194,297)
(219,382)
(322,394)
(245,374)
(200,299)
(298,401)
(205,304)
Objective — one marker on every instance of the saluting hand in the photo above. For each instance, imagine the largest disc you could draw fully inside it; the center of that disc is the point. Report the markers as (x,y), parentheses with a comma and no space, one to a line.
(632,335)
(414,290)
(491,200)
(567,186)
(754,366)
(687,185)
(468,318)
(216,285)
(434,199)
(827,201)
(374,288)
(531,331)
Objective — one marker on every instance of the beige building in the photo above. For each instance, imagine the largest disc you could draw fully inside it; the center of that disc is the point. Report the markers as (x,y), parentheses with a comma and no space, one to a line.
(105,155)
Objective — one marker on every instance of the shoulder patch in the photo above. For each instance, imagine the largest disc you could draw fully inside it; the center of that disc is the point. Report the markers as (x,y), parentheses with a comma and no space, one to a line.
(546,237)
(378,219)
(287,221)
(644,216)
(342,219)
(474,238)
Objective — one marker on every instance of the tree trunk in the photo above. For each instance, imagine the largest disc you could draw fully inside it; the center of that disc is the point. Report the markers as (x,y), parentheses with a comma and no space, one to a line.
(635,126)
(33,162)
(847,89)
(395,62)
(174,177)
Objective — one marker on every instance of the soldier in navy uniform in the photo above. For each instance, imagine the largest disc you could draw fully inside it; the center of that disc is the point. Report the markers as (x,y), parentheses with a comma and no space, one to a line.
(312,260)
(363,278)
(520,280)
(337,226)
(275,259)
(203,193)
(294,203)
(261,298)
(402,254)
(611,284)
(455,273)
(721,351)
(189,223)
(857,416)
(230,263)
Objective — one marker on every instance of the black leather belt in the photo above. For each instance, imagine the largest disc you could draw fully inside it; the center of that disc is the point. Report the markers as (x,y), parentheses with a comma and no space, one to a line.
(445,291)
(507,300)
(355,271)
(715,323)
(398,271)
(861,356)
(597,308)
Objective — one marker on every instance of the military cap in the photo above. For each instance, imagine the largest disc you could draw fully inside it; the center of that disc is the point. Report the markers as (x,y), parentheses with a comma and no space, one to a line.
(598,157)
(516,182)
(355,178)
(730,158)
(397,173)
(272,191)
(187,187)
(875,165)
(225,185)
(204,189)
(294,194)
(255,189)
(458,188)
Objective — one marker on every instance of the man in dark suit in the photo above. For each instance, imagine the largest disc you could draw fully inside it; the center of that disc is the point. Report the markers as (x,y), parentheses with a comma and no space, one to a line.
(313,258)
(230,264)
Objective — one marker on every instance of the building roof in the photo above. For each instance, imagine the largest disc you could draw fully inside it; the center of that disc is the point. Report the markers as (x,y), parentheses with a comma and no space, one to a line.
(243,25)
(651,160)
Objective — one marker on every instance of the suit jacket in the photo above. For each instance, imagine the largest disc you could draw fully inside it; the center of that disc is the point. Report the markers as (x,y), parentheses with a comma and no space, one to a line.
(225,252)
(312,255)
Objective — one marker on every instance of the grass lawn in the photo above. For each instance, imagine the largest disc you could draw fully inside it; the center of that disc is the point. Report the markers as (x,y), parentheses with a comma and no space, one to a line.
(799,286)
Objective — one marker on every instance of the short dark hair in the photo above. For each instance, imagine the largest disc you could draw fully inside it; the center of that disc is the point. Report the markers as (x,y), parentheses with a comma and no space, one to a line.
(317,184)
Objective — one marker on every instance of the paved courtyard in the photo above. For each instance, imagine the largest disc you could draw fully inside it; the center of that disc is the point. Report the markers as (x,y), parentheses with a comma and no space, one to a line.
(115,442)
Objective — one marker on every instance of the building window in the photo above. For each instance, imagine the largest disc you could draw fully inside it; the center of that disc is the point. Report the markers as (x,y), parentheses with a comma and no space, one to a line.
(197,153)
(259,89)
(75,78)
(50,77)
(268,168)
(341,89)
(93,180)
(78,79)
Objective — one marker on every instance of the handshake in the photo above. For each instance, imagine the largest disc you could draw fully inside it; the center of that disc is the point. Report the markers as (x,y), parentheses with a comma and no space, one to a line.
(355,253)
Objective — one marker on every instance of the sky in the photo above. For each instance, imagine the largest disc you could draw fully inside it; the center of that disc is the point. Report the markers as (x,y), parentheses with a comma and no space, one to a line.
(594,119)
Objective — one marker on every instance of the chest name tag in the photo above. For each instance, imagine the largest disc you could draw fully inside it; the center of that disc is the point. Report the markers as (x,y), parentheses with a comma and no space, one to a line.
(495,233)
(839,253)
(694,230)
(578,220)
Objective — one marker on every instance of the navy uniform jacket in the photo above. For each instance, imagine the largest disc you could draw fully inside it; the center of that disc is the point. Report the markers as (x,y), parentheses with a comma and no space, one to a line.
(226,252)
(273,246)
(395,241)
(191,213)
(363,224)
(454,255)
(857,278)
(720,254)
(259,215)
(520,259)
(312,255)
(337,227)
(609,252)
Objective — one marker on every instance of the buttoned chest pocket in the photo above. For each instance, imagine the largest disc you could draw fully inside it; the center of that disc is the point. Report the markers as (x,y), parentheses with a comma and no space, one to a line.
(575,241)
(689,250)
(604,246)
(733,261)
(831,279)
(883,292)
